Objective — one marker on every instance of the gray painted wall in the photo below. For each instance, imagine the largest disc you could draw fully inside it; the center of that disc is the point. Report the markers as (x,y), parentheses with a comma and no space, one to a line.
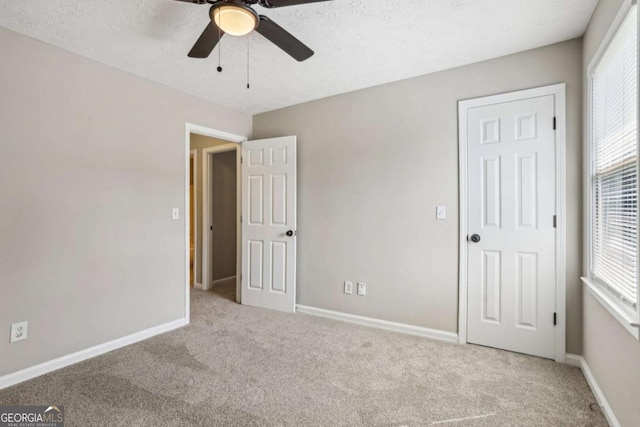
(612,354)
(224,215)
(91,162)
(373,165)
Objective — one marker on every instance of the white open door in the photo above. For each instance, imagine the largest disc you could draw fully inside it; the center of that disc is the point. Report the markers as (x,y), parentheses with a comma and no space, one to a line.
(269,223)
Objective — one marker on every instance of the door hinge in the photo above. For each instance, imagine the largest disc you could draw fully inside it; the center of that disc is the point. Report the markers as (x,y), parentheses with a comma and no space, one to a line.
(555,222)
(554,123)
(555,319)
(211,227)
(240,218)
(242,158)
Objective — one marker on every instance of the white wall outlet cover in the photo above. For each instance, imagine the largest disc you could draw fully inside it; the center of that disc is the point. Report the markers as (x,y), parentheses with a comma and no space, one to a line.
(175,213)
(441,212)
(348,287)
(19,331)
(362,288)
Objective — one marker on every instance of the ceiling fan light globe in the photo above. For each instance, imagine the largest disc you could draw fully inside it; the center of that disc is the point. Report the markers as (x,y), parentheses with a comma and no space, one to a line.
(235,20)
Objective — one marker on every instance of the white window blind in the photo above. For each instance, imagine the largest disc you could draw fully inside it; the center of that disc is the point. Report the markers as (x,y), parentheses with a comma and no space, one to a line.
(614,169)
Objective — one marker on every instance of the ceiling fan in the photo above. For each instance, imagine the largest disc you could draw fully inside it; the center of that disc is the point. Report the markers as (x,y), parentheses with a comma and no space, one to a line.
(237,18)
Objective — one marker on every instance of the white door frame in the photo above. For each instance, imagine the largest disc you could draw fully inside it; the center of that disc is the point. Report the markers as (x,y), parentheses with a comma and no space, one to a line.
(207,263)
(194,155)
(190,128)
(559,93)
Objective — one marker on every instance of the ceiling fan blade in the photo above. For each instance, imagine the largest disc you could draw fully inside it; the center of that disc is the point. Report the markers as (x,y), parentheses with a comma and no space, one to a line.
(283,3)
(206,42)
(193,1)
(281,38)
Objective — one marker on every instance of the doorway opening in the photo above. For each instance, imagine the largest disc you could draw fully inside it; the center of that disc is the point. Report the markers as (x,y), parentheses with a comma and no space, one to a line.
(265,197)
(193,190)
(221,220)
(201,144)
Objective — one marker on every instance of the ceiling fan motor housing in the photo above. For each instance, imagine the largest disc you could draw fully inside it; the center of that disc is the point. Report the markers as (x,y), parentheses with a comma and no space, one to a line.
(235,5)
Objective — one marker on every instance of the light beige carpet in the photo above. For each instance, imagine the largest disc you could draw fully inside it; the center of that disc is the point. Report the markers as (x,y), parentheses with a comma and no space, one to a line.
(242,366)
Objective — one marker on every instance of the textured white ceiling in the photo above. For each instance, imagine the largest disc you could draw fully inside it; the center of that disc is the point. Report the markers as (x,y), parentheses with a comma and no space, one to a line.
(358,43)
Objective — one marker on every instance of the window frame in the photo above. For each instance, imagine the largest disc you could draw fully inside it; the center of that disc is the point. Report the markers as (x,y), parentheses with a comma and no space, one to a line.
(620,310)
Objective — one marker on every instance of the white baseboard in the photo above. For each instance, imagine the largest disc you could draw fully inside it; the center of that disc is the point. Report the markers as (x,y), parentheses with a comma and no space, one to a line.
(574,360)
(79,356)
(197,285)
(579,361)
(381,324)
(224,281)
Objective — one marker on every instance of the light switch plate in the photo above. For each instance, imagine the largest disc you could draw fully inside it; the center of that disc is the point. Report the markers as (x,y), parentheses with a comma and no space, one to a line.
(19,331)
(441,212)
(175,214)
(348,287)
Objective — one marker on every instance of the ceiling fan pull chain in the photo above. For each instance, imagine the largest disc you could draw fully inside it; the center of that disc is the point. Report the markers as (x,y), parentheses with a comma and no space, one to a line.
(248,50)
(220,46)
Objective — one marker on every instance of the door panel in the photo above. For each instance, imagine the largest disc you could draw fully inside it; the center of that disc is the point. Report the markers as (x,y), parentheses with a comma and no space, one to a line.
(255,200)
(279,197)
(269,211)
(511,204)
(491,267)
(491,194)
(256,270)
(527,289)
(527,190)
(279,267)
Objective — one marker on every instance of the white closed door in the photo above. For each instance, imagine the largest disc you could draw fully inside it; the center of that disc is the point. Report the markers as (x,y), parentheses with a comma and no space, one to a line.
(511,226)
(269,223)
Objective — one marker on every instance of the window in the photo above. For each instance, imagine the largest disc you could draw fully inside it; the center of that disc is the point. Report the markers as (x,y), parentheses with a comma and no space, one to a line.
(614,165)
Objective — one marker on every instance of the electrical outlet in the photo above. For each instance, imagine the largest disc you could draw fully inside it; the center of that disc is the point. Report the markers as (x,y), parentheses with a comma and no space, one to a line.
(348,288)
(19,331)
(362,288)
(175,214)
